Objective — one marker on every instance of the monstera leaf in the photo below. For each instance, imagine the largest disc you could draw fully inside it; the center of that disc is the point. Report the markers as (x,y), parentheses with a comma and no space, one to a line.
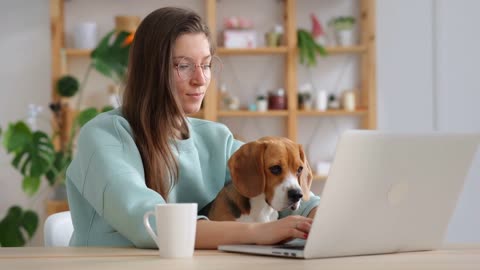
(90,113)
(16,225)
(110,57)
(59,167)
(33,154)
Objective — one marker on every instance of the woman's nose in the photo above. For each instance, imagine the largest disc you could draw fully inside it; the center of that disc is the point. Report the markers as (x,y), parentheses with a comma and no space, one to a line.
(198,77)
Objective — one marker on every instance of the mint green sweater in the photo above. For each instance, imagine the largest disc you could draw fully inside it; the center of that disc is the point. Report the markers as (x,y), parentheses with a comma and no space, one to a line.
(106,186)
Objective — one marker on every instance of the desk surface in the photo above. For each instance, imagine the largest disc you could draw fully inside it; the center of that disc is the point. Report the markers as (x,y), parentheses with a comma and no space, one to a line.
(137,259)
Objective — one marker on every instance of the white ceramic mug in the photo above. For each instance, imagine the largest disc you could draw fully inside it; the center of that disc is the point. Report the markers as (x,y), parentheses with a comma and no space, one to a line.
(176,227)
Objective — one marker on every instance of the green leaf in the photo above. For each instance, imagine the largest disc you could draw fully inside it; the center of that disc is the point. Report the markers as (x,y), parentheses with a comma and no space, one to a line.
(62,160)
(42,154)
(110,58)
(308,48)
(301,46)
(17,136)
(312,61)
(30,222)
(86,115)
(30,185)
(320,50)
(33,154)
(67,86)
(17,159)
(107,108)
(12,225)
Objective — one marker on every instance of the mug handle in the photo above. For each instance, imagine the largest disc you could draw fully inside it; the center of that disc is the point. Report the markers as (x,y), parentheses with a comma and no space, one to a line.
(146,222)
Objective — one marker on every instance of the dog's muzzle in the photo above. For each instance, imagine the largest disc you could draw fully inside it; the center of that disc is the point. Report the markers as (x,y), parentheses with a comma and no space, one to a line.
(294,195)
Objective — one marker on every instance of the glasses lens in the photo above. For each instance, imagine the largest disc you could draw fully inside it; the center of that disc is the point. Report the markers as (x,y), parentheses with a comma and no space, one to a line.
(186,69)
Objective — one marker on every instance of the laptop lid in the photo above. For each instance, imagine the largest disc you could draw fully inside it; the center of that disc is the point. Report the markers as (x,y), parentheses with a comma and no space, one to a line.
(387,192)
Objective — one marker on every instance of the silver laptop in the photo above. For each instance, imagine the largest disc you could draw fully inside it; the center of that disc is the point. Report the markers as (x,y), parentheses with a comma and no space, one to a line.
(386,192)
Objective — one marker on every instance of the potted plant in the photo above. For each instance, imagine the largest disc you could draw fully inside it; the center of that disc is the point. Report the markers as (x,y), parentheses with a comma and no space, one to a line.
(33,152)
(344,26)
(308,48)
(262,103)
(305,101)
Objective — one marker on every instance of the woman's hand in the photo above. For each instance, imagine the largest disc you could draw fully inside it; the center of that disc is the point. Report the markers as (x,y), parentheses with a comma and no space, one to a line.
(282,230)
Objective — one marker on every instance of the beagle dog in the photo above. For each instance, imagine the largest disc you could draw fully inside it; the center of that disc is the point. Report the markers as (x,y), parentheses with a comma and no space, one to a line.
(268,175)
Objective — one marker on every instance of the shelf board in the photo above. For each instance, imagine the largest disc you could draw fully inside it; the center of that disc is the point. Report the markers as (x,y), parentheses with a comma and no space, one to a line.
(358,112)
(317,177)
(349,49)
(245,51)
(242,113)
(77,52)
(252,51)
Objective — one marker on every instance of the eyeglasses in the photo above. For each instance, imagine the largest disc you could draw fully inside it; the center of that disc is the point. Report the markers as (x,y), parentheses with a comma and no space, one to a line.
(186,68)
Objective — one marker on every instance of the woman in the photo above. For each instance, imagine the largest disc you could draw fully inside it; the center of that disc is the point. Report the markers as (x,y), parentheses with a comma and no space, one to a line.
(149,153)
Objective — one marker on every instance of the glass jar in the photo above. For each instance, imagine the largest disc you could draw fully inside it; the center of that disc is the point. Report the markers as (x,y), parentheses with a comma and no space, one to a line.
(277,100)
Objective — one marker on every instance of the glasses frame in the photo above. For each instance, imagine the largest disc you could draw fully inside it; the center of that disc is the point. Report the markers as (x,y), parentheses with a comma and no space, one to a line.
(215,66)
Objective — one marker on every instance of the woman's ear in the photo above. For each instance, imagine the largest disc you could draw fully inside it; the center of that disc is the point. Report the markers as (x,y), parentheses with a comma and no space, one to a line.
(246,168)
(305,178)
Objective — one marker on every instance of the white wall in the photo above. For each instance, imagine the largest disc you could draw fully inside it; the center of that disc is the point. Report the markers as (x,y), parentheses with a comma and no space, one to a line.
(24,78)
(428,80)
(404,65)
(458,95)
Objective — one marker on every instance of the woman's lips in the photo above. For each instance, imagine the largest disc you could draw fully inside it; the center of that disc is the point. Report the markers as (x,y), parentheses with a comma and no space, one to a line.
(195,95)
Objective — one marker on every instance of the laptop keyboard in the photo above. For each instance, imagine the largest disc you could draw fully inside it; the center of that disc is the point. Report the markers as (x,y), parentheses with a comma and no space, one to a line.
(296,244)
(294,247)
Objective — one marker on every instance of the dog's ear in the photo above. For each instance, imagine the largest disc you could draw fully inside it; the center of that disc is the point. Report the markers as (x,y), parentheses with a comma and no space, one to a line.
(246,168)
(305,178)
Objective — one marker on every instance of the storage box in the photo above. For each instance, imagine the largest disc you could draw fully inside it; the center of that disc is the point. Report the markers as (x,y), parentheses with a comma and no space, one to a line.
(239,38)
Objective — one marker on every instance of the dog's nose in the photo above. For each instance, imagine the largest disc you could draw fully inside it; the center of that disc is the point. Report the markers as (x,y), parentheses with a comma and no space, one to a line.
(294,195)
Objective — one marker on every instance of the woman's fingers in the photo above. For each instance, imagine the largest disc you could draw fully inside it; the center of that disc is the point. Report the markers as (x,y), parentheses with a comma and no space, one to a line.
(283,230)
(301,230)
(303,226)
(300,227)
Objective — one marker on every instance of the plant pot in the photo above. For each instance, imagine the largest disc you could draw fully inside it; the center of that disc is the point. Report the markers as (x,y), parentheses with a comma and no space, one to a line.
(262,105)
(127,23)
(345,37)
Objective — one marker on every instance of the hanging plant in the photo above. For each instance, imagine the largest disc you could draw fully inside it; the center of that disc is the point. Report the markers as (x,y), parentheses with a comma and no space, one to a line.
(308,48)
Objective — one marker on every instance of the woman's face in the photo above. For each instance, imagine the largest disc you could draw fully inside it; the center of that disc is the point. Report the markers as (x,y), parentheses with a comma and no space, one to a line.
(191,59)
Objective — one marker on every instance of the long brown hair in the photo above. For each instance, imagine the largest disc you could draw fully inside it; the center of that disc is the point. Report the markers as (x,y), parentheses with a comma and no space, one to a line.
(150,102)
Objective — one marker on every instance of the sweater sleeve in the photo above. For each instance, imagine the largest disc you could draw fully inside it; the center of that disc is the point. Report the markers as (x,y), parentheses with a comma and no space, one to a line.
(232,146)
(110,177)
(304,209)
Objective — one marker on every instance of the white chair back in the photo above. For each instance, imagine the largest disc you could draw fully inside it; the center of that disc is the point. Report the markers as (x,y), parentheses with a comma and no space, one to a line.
(58,229)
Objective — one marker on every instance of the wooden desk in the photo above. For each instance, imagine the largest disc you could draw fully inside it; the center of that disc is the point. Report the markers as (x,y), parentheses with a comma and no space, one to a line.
(137,259)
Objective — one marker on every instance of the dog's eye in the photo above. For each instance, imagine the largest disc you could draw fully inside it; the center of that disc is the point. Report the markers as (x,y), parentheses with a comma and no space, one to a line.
(299,171)
(276,170)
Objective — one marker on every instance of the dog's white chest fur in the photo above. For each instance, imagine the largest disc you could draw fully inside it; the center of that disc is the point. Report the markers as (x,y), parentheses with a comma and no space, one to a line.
(260,211)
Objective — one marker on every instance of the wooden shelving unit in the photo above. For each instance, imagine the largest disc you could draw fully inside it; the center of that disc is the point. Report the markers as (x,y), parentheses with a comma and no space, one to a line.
(317,177)
(77,52)
(245,113)
(366,50)
(255,51)
(358,112)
